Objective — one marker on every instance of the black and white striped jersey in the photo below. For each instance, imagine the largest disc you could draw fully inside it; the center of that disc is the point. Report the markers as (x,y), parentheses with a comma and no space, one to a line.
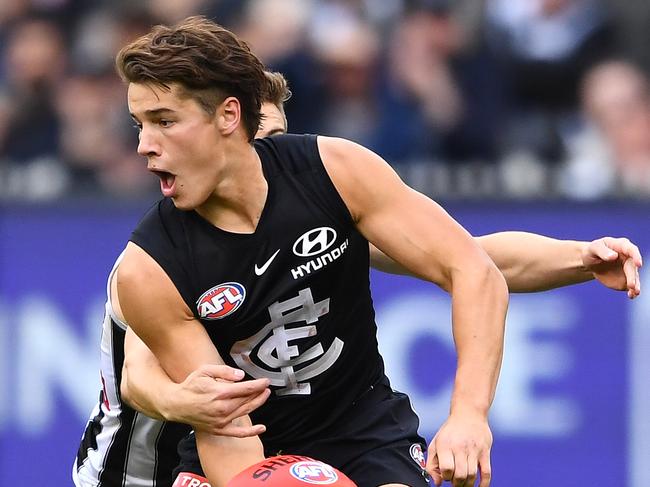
(120,446)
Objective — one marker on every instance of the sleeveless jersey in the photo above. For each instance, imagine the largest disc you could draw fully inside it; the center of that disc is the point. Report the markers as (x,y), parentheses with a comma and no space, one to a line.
(120,446)
(290,301)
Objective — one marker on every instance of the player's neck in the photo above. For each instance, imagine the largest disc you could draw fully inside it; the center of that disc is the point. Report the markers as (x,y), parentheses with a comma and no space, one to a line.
(238,200)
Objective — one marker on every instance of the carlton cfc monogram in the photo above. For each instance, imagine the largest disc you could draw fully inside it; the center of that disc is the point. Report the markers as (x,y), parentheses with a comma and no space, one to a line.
(272,347)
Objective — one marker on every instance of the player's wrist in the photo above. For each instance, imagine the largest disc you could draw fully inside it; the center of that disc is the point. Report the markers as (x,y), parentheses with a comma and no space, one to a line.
(167,402)
(465,409)
(469,405)
(586,262)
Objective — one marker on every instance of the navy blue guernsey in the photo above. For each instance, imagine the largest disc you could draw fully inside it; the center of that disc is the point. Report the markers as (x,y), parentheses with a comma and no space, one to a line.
(290,301)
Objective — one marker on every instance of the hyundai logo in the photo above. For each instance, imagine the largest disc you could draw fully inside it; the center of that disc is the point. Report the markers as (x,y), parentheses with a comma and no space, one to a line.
(314,242)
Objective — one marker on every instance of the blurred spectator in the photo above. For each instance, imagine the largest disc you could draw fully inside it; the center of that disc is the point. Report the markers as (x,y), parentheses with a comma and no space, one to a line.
(420,99)
(548,45)
(545,46)
(100,35)
(35,62)
(465,98)
(632,18)
(97,154)
(349,95)
(612,156)
(172,11)
(282,45)
(443,99)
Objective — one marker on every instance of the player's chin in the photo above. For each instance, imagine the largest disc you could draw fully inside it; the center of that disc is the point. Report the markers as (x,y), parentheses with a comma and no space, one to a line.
(183,202)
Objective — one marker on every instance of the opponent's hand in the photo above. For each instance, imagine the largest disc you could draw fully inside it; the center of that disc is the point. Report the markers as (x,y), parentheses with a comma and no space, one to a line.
(615,263)
(460,451)
(211,397)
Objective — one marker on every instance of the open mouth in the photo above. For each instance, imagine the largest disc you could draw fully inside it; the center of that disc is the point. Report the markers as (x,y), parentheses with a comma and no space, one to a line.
(167,182)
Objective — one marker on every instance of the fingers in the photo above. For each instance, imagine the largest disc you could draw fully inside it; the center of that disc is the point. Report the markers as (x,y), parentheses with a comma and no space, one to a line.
(433,467)
(465,468)
(232,376)
(231,429)
(472,469)
(461,468)
(603,249)
(485,469)
(446,464)
(624,247)
(247,405)
(632,279)
(243,389)
(224,372)
(241,431)
(459,474)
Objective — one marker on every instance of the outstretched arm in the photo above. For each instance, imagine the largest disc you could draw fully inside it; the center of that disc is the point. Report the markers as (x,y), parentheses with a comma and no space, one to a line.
(423,238)
(532,263)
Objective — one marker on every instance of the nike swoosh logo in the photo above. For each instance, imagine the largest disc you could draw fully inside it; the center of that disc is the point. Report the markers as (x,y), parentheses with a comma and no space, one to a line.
(261,270)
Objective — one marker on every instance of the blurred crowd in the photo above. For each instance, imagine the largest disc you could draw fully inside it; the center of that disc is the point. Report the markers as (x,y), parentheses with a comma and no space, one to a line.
(465,98)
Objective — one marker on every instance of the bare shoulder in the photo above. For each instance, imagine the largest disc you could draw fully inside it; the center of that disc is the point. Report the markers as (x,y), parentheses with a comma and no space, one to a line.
(137,266)
(358,174)
(344,155)
(140,283)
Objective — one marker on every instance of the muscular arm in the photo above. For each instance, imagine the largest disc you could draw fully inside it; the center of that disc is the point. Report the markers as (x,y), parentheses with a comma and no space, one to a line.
(531,262)
(181,345)
(424,239)
(208,399)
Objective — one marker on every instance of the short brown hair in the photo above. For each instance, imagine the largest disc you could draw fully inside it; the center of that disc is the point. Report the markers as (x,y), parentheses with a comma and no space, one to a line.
(207,60)
(276,90)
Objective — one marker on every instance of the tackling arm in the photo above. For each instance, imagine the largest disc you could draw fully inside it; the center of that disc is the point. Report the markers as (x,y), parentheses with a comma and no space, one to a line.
(532,263)
(208,399)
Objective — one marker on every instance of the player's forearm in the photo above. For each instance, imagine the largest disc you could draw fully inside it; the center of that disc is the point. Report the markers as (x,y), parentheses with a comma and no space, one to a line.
(381,262)
(531,262)
(146,387)
(223,457)
(479,305)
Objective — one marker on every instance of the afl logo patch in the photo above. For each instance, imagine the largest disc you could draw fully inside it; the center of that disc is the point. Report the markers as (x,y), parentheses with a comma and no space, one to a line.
(417,455)
(314,242)
(314,473)
(221,300)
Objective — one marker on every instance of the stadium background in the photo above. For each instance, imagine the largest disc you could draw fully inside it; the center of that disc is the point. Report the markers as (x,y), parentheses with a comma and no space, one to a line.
(481,104)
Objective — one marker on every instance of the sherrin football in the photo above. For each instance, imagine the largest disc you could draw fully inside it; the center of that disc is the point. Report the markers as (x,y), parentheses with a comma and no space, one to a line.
(290,471)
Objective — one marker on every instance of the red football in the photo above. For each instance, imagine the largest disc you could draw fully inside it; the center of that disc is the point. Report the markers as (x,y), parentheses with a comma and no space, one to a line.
(290,471)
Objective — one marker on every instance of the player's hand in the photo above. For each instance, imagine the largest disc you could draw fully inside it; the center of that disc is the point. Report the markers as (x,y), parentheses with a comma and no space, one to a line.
(211,397)
(460,451)
(615,263)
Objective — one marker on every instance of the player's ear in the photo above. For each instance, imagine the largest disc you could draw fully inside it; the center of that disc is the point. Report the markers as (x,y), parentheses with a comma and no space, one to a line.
(228,115)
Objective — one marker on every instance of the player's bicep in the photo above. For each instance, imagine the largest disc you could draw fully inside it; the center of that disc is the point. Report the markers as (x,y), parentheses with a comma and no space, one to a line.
(406,225)
(155,310)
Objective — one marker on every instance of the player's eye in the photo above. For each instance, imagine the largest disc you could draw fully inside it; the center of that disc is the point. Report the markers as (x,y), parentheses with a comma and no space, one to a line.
(165,123)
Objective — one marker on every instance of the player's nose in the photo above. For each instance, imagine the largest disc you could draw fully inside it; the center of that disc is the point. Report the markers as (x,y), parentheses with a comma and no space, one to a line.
(147,145)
